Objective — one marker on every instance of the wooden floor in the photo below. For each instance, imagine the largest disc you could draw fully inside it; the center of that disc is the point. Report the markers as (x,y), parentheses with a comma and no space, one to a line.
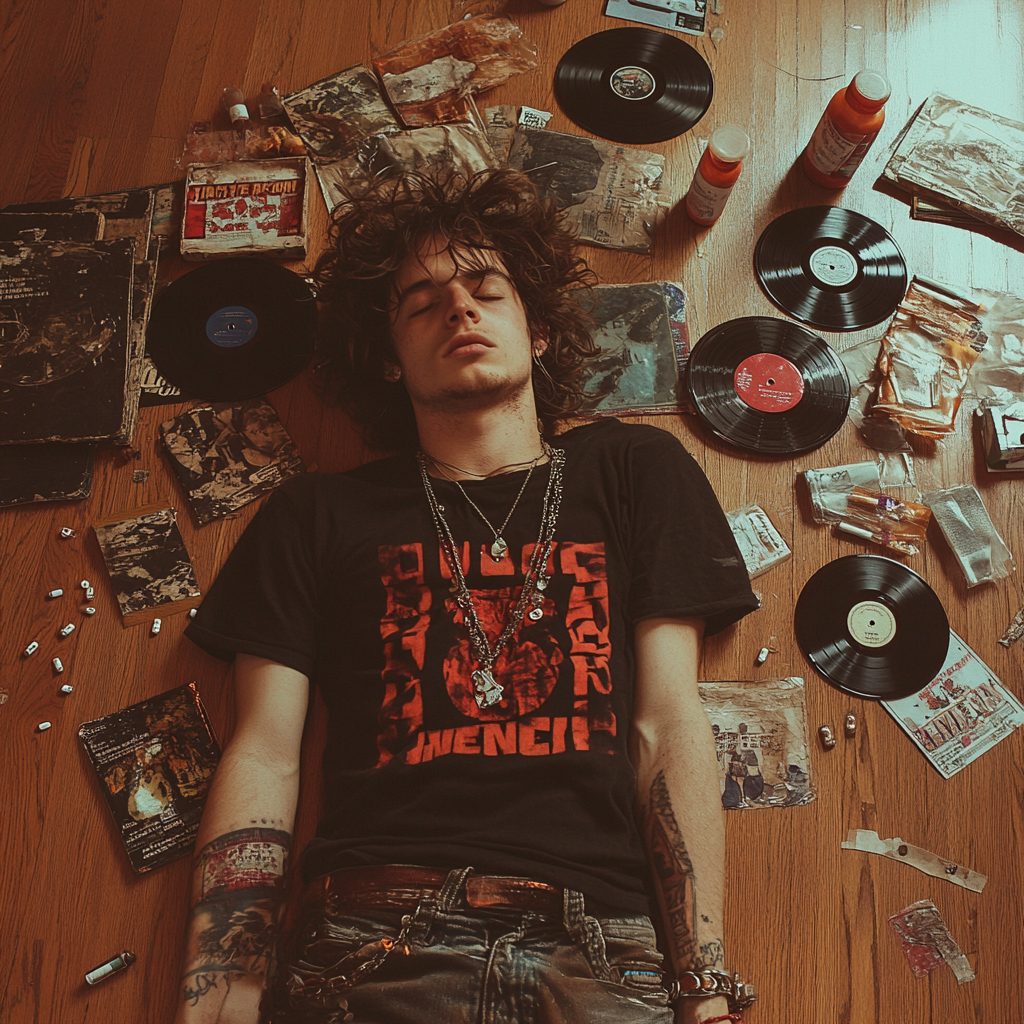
(98,94)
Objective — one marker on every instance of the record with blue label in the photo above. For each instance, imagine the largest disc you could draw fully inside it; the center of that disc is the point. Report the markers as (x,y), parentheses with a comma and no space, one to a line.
(634,85)
(232,330)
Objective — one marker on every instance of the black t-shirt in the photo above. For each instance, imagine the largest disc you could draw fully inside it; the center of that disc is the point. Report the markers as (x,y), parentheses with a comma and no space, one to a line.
(341,577)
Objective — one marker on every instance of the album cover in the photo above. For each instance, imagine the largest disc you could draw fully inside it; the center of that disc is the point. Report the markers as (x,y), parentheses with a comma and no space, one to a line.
(965,157)
(227,455)
(149,567)
(45,472)
(610,193)
(435,152)
(761,742)
(249,208)
(51,227)
(65,341)
(154,761)
(963,712)
(334,115)
(126,214)
(636,371)
(429,79)
(676,15)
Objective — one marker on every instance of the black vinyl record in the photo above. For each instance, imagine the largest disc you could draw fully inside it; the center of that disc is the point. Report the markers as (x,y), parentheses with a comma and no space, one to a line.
(872,627)
(768,385)
(834,269)
(633,85)
(232,329)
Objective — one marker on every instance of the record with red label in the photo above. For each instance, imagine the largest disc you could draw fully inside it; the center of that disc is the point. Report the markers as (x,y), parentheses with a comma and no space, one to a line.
(232,330)
(834,269)
(872,627)
(634,85)
(768,385)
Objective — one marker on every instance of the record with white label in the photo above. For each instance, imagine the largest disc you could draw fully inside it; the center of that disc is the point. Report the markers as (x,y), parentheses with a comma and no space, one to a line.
(834,269)
(233,329)
(768,385)
(872,627)
(634,85)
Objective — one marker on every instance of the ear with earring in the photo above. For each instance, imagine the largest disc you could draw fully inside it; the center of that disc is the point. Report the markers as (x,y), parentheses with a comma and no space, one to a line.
(392,373)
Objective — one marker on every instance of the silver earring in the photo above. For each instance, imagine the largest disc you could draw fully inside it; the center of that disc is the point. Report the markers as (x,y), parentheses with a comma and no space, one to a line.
(393,374)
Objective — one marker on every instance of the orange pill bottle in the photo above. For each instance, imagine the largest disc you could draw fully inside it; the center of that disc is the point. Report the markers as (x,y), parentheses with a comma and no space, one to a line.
(851,122)
(716,173)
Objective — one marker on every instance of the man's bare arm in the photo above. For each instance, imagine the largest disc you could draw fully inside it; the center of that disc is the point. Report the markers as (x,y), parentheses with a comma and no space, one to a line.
(680,802)
(243,846)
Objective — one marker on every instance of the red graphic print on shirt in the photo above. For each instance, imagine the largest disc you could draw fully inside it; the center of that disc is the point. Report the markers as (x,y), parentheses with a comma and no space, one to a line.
(528,668)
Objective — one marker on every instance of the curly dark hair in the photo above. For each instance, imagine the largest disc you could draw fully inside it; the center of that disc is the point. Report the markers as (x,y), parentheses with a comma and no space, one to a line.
(371,235)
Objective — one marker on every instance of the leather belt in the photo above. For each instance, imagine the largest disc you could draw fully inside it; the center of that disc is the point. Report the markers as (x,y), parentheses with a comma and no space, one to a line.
(406,886)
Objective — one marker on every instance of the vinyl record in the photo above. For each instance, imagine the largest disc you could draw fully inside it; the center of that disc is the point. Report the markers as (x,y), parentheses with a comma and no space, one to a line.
(872,627)
(768,385)
(233,329)
(831,268)
(633,85)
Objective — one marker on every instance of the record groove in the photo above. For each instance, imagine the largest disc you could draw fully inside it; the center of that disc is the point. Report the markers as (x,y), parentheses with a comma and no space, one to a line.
(768,385)
(633,85)
(233,329)
(834,269)
(872,627)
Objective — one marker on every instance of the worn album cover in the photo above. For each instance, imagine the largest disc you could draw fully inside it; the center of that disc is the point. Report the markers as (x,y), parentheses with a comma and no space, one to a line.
(45,472)
(963,712)
(611,193)
(227,455)
(966,158)
(250,208)
(149,567)
(435,152)
(761,740)
(636,370)
(334,115)
(428,79)
(51,227)
(65,343)
(155,761)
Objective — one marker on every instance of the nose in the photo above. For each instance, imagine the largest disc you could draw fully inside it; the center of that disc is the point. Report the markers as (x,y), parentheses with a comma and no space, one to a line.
(461,305)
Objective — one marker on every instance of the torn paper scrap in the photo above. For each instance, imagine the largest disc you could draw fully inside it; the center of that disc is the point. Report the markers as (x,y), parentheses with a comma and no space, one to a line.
(926,941)
(1014,631)
(868,841)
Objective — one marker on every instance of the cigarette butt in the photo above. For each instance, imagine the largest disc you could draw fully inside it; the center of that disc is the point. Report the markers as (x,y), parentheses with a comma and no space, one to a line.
(43,726)
(58,665)
(56,593)
(857,531)
(155,628)
(66,688)
(68,629)
(31,649)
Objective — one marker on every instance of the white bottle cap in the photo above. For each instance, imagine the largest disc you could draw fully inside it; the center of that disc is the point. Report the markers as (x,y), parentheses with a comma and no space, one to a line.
(729,143)
(872,85)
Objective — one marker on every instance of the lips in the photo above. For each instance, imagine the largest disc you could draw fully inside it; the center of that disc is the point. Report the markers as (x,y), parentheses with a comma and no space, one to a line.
(466,339)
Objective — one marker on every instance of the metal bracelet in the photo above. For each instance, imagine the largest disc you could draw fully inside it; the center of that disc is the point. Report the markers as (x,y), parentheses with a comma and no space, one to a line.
(707,983)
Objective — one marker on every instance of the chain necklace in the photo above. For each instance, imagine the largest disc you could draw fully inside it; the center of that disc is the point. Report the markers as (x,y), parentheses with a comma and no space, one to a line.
(500,546)
(486,689)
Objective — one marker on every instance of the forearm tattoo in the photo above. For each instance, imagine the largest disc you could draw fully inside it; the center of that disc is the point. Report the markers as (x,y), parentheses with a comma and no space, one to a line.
(673,872)
(237,889)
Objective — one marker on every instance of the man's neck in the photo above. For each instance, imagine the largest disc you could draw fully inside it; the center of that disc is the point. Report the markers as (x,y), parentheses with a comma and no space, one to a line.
(481,443)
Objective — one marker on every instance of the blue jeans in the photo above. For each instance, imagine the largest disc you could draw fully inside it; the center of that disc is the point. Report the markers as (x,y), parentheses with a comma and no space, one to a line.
(443,962)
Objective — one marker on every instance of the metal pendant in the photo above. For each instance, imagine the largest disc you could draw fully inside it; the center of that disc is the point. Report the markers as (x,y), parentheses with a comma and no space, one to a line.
(542,582)
(498,549)
(536,614)
(486,690)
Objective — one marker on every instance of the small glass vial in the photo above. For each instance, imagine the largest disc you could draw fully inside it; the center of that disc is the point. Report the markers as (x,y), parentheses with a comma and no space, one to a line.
(232,99)
(850,123)
(716,173)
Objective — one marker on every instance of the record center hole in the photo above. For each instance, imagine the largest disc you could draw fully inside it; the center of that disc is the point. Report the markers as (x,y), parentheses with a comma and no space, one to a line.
(771,380)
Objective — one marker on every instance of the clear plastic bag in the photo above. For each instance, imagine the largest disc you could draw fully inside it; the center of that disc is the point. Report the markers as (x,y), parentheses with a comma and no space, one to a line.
(968,529)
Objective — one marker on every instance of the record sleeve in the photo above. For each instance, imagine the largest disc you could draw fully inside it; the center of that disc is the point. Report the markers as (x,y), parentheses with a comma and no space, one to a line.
(611,194)
(633,85)
(66,348)
(872,627)
(154,761)
(768,385)
(833,269)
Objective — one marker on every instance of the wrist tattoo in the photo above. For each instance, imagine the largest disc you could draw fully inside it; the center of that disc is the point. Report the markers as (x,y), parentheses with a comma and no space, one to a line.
(712,955)
(243,859)
(673,871)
